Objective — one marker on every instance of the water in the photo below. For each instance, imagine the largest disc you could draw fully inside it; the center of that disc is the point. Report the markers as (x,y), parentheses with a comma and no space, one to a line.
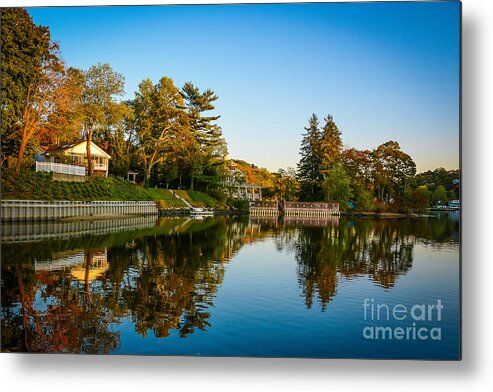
(234,287)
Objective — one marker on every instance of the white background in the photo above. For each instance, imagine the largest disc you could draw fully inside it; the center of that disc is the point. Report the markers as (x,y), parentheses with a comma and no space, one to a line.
(83,373)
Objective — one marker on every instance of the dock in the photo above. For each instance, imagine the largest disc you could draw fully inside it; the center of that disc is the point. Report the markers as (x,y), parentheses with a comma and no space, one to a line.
(294,209)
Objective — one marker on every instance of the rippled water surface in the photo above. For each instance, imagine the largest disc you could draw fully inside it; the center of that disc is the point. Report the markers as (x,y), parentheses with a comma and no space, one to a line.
(234,287)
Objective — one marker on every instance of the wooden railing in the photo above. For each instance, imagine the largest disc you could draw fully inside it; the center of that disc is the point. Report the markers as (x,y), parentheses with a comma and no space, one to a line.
(60,168)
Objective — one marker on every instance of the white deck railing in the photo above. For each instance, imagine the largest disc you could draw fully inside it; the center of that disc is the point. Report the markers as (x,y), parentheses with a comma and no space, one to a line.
(60,168)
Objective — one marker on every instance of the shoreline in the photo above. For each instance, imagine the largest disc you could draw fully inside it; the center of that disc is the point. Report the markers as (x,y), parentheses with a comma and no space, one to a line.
(388,215)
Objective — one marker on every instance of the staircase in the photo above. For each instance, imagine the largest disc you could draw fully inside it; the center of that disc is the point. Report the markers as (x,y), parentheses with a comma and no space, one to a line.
(181,198)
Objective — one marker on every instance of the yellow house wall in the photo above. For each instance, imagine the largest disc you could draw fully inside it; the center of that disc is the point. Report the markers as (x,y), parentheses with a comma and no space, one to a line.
(80,149)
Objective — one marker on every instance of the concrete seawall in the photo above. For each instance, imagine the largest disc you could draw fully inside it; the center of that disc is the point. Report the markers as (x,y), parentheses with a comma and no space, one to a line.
(34,210)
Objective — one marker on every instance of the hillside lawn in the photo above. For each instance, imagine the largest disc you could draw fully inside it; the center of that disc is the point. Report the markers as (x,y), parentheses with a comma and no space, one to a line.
(29,185)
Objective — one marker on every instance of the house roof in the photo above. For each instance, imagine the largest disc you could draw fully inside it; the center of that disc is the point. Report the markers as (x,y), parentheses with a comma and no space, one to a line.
(65,147)
(251,185)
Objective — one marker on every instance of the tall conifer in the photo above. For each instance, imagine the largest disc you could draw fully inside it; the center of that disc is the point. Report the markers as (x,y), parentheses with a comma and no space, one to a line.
(330,145)
(309,174)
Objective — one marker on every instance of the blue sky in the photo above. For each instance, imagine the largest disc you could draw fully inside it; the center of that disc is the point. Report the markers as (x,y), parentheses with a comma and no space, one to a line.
(385,71)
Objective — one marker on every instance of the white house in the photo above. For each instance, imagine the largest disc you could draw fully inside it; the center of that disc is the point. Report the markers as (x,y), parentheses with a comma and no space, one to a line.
(76,154)
(239,189)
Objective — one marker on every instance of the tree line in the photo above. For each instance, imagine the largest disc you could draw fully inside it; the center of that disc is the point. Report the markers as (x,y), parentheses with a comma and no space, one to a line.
(163,132)
(380,179)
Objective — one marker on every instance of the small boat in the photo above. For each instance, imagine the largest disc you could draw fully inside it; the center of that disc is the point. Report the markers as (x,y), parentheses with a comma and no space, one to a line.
(201,211)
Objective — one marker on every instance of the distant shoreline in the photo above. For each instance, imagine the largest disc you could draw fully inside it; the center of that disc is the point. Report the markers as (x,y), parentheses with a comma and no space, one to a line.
(387,215)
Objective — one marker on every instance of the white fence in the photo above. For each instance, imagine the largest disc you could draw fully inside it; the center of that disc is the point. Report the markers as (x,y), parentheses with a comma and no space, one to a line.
(28,210)
(60,168)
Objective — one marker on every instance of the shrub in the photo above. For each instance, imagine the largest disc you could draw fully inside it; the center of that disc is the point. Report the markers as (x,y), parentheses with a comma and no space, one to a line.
(238,204)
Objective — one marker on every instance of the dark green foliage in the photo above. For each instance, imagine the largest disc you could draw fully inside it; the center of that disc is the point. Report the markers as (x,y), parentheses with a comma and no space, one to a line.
(208,147)
(337,186)
(363,200)
(239,204)
(309,166)
(439,196)
(449,179)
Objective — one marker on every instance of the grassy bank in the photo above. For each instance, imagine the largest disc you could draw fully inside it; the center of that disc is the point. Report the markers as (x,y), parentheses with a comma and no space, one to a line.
(200,199)
(30,185)
(164,199)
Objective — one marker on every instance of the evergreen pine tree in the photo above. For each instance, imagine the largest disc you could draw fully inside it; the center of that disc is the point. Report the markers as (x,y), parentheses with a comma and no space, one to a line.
(330,145)
(209,144)
(309,174)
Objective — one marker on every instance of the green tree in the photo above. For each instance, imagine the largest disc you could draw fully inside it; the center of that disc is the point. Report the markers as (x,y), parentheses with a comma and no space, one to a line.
(357,164)
(440,195)
(449,179)
(309,174)
(363,199)
(98,106)
(337,186)
(117,139)
(208,145)
(160,123)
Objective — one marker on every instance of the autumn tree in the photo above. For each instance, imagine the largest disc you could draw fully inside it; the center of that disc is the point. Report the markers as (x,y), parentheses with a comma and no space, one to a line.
(286,185)
(358,165)
(98,107)
(309,174)
(25,46)
(420,198)
(63,123)
(330,145)
(38,92)
(392,170)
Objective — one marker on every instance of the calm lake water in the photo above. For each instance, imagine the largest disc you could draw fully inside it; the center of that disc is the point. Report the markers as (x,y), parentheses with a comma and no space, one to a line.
(345,288)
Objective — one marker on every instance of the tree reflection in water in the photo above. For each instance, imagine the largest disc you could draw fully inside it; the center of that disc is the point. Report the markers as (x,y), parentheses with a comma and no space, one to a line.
(70,295)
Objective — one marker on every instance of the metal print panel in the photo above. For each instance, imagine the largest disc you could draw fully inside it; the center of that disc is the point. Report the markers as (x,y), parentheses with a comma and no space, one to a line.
(262,180)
